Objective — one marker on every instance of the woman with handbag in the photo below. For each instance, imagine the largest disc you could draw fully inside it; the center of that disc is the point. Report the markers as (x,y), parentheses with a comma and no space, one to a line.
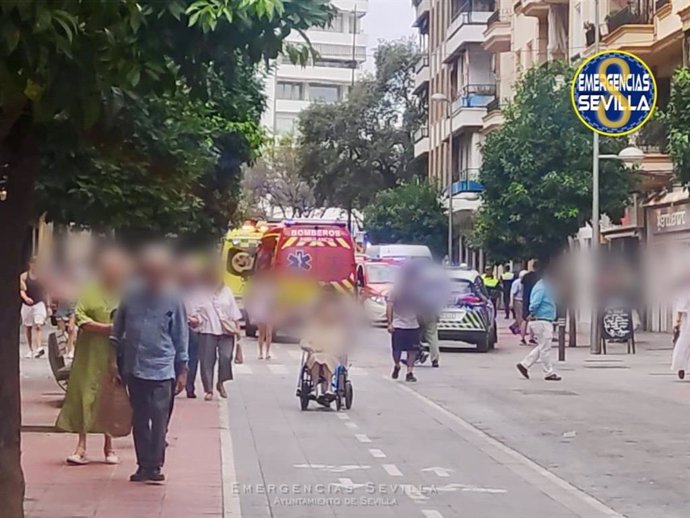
(93,356)
(217,320)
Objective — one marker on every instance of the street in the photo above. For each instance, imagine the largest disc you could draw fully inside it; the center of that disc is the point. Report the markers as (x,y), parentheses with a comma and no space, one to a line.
(469,439)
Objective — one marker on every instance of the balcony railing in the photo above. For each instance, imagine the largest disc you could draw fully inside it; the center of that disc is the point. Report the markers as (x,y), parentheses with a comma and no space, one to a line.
(468,181)
(422,62)
(475,96)
(471,6)
(421,133)
(493,106)
(638,13)
(495,16)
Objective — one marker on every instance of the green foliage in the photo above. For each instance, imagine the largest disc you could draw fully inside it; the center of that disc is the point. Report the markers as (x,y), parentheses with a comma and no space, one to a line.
(143,111)
(411,213)
(677,118)
(537,172)
(351,149)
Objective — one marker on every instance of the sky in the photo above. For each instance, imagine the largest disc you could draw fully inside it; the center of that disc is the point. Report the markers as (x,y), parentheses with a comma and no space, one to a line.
(387,20)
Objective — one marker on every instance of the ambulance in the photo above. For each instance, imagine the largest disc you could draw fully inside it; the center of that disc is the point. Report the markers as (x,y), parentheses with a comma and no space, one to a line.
(239,250)
(302,256)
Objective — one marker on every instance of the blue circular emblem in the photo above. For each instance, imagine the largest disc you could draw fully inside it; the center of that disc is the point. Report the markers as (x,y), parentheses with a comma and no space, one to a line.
(614,93)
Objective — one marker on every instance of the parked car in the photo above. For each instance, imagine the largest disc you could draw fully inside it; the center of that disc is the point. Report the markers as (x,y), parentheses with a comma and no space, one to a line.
(469,315)
(375,280)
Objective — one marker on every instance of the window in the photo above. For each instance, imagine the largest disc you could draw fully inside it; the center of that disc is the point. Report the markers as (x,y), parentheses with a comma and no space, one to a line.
(291,91)
(327,93)
(337,24)
(333,63)
(285,124)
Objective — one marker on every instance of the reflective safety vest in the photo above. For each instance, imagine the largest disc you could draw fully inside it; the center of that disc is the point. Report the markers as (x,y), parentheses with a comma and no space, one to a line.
(489,282)
(507,276)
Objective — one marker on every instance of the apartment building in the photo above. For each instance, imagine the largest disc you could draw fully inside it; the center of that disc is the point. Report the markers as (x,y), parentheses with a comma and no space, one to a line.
(341,51)
(456,81)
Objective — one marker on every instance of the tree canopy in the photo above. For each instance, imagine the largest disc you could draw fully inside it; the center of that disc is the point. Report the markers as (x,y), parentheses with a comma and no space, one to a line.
(537,172)
(677,119)
(409,213)
(351,149)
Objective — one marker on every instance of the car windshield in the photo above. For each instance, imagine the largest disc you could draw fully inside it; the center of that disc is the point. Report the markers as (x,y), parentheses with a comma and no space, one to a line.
(461,287)
(381,273)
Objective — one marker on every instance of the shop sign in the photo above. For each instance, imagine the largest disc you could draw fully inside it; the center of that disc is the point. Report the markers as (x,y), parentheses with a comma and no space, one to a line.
(670,219)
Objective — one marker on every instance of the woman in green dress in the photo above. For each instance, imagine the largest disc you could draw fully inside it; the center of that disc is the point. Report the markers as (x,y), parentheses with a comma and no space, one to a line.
(93,356)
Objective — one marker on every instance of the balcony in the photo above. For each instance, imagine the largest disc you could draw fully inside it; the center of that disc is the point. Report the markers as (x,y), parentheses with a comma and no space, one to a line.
(497,33)
(421,141)
(421,79)
(539,8)
(494,118)
(630,28)
(469,107)
(422,9)
(467,25)
(468,182)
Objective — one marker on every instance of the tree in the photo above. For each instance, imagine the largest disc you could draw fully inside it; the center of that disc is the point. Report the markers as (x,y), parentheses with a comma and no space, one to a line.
(65,67)
(275,182)
(677,119)
(351,149)
(537,172)
(409,213)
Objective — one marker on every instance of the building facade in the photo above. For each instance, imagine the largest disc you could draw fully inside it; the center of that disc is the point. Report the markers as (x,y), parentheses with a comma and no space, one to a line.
(341,49)
(517,35)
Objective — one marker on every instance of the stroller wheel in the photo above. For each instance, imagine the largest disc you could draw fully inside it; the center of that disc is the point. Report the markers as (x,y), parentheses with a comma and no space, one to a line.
(338,402)
(305,389)
(348,395)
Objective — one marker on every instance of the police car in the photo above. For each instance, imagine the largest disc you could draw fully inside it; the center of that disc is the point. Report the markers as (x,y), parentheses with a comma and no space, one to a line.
(469,315)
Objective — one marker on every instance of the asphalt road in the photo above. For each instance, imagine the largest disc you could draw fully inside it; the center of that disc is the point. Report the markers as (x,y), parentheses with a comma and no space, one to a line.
(471,439)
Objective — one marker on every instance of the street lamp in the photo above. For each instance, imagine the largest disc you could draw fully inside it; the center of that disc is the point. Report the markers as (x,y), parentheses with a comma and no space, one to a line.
(443,98)
(630,156)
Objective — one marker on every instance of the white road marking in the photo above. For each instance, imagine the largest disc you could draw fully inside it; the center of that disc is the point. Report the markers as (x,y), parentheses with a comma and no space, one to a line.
(558,489)
(414,493)
(392,470)
(351,425)
(231,499)
(440,472)
(452,488)
(362,437)
(346,483)
(431,513)
(332,468)
(277,368)
(377,454)
(242,368)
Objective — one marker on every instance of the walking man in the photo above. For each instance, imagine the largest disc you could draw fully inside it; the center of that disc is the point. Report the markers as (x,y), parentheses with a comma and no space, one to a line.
(528,281)
(542,313)
(507,279)
(150,334)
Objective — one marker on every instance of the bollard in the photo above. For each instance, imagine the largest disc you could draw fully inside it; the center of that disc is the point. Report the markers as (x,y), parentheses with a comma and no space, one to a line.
(561,339)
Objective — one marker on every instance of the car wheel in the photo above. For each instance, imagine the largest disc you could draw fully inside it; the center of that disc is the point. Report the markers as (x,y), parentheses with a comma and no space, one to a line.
(485,344)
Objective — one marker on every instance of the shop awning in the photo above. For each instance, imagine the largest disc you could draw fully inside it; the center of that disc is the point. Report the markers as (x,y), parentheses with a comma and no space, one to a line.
(670,198)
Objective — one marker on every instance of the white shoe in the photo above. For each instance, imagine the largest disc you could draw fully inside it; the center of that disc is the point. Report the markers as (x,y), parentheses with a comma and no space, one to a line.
(40,352)
(111,458)
(29,355)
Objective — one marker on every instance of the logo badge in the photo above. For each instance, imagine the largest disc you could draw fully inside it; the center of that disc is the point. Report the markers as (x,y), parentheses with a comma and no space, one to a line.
(299,260)
(614,93)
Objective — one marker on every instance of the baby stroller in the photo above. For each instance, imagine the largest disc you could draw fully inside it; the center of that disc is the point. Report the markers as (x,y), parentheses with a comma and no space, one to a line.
(340,383)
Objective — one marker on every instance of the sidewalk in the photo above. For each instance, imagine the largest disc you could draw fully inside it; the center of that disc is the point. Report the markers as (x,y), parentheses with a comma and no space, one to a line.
(56,490)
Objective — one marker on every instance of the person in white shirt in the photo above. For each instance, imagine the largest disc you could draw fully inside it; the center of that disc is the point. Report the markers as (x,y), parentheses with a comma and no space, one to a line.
(217,320)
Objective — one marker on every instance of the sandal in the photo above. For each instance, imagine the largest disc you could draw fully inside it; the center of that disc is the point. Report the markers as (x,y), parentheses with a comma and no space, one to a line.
(208,396)
(111,458)
(78,459)
(221,390)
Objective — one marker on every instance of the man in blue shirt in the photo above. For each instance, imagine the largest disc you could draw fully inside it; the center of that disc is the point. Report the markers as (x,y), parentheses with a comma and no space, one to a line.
(542,313)
(150,335)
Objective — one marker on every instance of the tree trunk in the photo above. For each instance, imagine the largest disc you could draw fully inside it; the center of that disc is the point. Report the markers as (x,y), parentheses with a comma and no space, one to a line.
(18,161)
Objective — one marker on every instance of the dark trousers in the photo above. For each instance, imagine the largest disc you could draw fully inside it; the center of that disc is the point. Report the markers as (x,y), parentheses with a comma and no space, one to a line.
(212,349)
(193,361)
(152,403)
(506,302)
